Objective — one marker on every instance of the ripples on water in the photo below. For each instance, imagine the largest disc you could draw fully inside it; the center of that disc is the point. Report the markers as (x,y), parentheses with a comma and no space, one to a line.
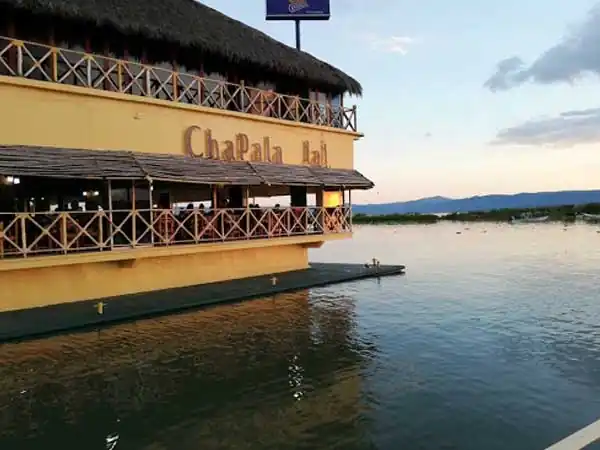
(491,341)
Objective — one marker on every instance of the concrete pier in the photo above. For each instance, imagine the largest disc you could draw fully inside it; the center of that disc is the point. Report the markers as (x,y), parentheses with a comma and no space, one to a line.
(67,316)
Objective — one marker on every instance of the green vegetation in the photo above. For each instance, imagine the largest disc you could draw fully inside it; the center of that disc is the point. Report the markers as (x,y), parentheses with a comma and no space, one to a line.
(565,213)
(395,218)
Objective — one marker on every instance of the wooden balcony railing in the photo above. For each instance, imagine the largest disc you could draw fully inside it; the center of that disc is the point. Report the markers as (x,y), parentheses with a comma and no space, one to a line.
(34,234)
(41,62)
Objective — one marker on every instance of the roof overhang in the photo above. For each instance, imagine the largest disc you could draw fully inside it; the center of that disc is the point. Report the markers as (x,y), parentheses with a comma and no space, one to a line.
(68,163)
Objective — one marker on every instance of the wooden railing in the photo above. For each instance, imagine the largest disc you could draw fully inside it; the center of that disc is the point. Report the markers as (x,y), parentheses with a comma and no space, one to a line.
(34,234)
(41,62)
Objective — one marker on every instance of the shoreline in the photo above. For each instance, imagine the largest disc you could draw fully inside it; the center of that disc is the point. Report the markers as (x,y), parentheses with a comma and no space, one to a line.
(557,214)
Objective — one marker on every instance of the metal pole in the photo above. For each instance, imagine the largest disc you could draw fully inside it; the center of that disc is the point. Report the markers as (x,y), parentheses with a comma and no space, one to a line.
(297,22)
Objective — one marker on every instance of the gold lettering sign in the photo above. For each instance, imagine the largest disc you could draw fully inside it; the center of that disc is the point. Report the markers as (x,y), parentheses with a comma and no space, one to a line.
(314,157)
(238,149)
(241,148)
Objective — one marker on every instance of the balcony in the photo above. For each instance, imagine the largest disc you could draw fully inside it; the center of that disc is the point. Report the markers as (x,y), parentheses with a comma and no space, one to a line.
(64,66)
(60,233)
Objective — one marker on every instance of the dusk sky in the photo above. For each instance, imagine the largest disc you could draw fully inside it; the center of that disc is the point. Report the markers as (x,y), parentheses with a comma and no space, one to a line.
(463,98)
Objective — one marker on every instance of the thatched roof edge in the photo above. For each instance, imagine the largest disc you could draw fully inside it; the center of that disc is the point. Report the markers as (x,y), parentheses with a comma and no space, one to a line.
(52,162)
(196,29)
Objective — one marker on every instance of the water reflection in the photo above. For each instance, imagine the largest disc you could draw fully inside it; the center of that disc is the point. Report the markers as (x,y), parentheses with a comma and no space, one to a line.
(262,374)
(490,341)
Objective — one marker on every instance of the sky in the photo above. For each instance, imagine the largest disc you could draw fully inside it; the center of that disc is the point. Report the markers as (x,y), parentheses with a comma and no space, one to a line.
(463,98)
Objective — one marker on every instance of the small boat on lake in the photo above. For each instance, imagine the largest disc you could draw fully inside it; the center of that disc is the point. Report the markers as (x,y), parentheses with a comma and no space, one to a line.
(590,217)
(529,218)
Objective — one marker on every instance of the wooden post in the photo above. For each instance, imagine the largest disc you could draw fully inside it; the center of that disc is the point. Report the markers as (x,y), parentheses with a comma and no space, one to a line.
(54,56)
(216,220)
(20,69)
(64,241)
(214,197)
(315,106)
(350,206)
(151,202)
(88,62)
(201,84)
(106,65)
(133,214)
(23,226)
(247,200)
(126,78)
(242,96)
(120,76)
(175,77)
(110,216)
(320,209)
(147,81)
(222,223)
(196,213)
(100,229)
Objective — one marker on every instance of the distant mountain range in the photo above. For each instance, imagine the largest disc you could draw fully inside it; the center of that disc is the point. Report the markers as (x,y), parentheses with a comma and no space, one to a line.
(480,203)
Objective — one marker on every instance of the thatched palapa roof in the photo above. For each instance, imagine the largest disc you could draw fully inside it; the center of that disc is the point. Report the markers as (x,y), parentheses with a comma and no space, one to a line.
(196,31)
(65,163)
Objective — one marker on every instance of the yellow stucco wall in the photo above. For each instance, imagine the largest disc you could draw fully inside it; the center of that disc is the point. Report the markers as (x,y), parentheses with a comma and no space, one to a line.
(50,114)
(30,288)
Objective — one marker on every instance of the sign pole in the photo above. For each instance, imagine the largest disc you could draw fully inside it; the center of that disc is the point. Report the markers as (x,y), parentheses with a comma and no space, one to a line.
(297,23)
(297,10)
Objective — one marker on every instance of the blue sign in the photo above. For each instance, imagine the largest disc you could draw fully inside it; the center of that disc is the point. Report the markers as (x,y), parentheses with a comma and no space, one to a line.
(298,10)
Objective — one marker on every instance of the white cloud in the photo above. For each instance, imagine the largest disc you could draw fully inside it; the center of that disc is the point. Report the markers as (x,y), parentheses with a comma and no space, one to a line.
(565,130)
(391,44)
(575,56)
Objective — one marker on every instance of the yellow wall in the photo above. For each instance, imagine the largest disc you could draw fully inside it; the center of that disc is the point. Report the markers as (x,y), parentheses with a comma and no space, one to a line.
(28,288)
(50,114)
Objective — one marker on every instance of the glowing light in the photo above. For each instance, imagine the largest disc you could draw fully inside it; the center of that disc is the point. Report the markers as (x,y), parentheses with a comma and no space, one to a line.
(332,199)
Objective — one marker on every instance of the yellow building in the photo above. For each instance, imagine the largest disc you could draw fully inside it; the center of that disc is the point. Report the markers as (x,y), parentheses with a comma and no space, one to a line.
(111,116)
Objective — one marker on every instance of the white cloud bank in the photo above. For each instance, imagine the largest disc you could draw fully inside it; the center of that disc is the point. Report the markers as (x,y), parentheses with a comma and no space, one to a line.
(565,130)
(575,56)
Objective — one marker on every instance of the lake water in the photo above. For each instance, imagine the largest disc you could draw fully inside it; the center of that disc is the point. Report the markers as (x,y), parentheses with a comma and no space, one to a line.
(490,341)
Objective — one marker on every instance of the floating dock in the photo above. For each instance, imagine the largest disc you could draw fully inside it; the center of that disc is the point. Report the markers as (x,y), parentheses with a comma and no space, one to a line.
(67,316)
